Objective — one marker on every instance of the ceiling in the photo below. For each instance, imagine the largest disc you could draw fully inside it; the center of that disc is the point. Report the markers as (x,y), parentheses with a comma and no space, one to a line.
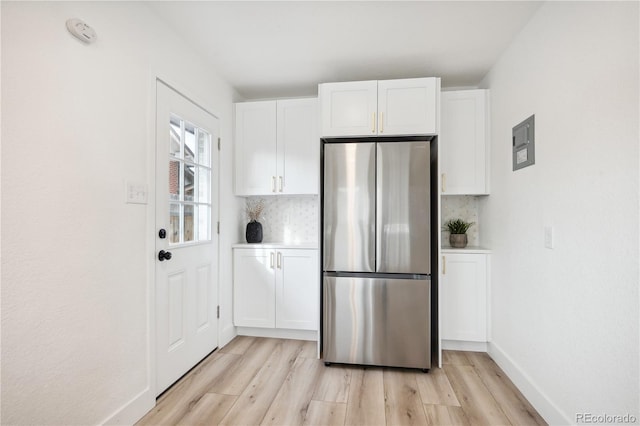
(271,49)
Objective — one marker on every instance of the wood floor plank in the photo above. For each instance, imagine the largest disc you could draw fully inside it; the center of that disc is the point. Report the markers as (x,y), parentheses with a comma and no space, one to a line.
(279,384)
(289,407)
(435,388)
(310,350)
(236,378)
(455,358)
(365,405)
(322,413)
(238,345)
(209,410)
(403,405)
(443,415)
(185,394)
(514,405)
(477,402)
(254,402)
(333,385)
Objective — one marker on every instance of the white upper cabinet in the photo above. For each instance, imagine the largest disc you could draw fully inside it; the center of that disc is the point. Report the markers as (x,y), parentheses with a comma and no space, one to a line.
(407,107)
(277,147)
(463,142)
(349,108)
(298,148)
(256,148)
(379,108)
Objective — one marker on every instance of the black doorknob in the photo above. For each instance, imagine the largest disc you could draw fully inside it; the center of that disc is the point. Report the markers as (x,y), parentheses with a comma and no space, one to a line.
(164,255)
(162,233)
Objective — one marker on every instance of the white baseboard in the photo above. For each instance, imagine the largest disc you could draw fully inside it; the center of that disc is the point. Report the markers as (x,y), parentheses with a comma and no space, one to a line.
(460,345)
(278,333)
(551,413)
(133,410)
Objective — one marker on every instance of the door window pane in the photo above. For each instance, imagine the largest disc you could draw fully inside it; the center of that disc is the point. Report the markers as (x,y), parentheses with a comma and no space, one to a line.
(204,191)
(204,148)
(175,136)
(189,182)
(174,223)
(188,223)
(174,180)
(189,142)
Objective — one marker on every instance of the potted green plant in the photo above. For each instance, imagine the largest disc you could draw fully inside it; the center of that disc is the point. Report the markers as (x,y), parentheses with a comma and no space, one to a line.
(457,232)
(254,209)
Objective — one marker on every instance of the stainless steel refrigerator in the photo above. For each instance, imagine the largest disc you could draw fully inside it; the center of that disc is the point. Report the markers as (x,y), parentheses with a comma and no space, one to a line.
(376,253)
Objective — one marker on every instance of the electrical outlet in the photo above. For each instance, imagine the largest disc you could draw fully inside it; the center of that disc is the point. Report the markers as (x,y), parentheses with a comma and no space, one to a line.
(549,241)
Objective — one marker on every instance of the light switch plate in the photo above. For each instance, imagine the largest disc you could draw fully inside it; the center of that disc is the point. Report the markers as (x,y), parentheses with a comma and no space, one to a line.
(136,193)
(549,241)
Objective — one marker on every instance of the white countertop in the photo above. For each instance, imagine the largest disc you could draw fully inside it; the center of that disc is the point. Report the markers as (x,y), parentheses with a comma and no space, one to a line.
(467,249)
(276,245)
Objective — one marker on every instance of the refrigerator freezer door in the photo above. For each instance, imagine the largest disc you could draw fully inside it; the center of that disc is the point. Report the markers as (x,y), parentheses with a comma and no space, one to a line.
(377,321)
(349,207)
(402,200)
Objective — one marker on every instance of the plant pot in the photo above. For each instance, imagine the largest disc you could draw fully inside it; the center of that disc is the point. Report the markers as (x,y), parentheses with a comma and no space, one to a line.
(254,232)
(458,240)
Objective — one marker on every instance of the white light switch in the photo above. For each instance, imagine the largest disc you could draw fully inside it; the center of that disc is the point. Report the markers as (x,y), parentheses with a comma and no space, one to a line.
(548,237)
(135,193)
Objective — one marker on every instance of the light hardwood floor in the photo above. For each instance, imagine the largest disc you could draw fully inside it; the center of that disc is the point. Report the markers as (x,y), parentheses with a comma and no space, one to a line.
(259,381)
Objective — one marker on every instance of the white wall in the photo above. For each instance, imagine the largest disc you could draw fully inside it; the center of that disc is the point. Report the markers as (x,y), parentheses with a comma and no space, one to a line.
(77,262)
(565,321)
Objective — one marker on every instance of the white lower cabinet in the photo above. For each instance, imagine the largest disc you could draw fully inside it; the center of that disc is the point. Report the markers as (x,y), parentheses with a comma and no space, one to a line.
(276,288)
(463,297)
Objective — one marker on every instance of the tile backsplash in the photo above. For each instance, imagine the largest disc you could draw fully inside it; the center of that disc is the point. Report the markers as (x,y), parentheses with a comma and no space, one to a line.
(296,220)
(463,207)
(289,220)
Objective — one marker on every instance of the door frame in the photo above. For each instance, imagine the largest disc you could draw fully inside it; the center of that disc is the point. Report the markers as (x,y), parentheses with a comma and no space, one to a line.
(154,80)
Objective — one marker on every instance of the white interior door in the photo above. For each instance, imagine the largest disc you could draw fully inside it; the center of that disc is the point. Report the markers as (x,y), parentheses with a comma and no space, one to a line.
(186,240)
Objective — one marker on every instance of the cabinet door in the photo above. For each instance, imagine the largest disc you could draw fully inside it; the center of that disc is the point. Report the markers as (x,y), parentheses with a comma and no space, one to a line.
(462,142)
(298,149)
(349,108)
(254,288)
(297,289)
(407,106)
(255,148)
(463,289)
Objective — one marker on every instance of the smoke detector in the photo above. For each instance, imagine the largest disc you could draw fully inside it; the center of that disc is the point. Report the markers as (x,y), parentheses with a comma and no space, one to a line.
(81,30)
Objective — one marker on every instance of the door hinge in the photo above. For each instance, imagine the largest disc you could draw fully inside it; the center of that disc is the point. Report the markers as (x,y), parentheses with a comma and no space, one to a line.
(218,228)
(218,144)
(218,312)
